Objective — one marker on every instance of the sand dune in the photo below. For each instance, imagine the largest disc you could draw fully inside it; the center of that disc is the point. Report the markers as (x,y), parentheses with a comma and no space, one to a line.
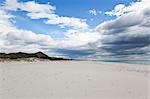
(73,80)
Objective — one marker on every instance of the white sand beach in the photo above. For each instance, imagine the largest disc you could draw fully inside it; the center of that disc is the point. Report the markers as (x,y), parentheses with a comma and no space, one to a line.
(74,80)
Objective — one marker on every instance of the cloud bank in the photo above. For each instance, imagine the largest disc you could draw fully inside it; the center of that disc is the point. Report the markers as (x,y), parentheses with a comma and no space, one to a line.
(129,33)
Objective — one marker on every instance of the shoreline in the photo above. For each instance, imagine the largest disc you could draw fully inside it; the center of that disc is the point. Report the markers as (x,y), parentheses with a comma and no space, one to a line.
(131,62)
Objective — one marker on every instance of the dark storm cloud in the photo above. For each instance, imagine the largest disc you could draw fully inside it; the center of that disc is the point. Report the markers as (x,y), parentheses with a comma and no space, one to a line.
(128,34)
(129,40)
(73,53)
(124,44)
(120,24)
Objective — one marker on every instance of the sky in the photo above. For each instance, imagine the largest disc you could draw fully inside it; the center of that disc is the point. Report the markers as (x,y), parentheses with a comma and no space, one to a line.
(87,29)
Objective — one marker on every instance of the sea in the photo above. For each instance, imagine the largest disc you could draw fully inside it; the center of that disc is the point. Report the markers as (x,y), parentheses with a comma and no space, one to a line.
(143,62)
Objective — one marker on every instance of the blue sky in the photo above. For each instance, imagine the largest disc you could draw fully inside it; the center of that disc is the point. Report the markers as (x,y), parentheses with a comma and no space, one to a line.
(79,28)
(70,8)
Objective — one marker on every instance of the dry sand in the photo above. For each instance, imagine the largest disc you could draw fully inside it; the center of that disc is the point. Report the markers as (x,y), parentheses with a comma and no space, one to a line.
(73,80)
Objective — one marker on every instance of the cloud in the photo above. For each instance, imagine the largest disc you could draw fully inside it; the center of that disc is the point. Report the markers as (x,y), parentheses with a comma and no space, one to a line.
(129,32)
(14,39)
(78,38)
(94,12)
(118,10)
(127,36)
(74,53)
(121,24)
(71,22)
(45,11)
(121,9)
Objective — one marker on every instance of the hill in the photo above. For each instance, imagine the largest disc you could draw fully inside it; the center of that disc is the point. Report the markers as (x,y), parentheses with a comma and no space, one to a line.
(21,55)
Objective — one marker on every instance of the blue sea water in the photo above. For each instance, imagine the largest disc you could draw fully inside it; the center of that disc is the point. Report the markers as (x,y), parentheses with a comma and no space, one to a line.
(143,62)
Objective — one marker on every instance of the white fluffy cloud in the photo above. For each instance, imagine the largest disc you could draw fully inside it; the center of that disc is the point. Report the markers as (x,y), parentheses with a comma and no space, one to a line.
(37,11)
(77,39)
(138,7)
(14,39)
(118,10)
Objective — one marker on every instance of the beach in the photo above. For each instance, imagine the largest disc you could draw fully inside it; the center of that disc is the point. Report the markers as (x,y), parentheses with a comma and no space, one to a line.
(74,80)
